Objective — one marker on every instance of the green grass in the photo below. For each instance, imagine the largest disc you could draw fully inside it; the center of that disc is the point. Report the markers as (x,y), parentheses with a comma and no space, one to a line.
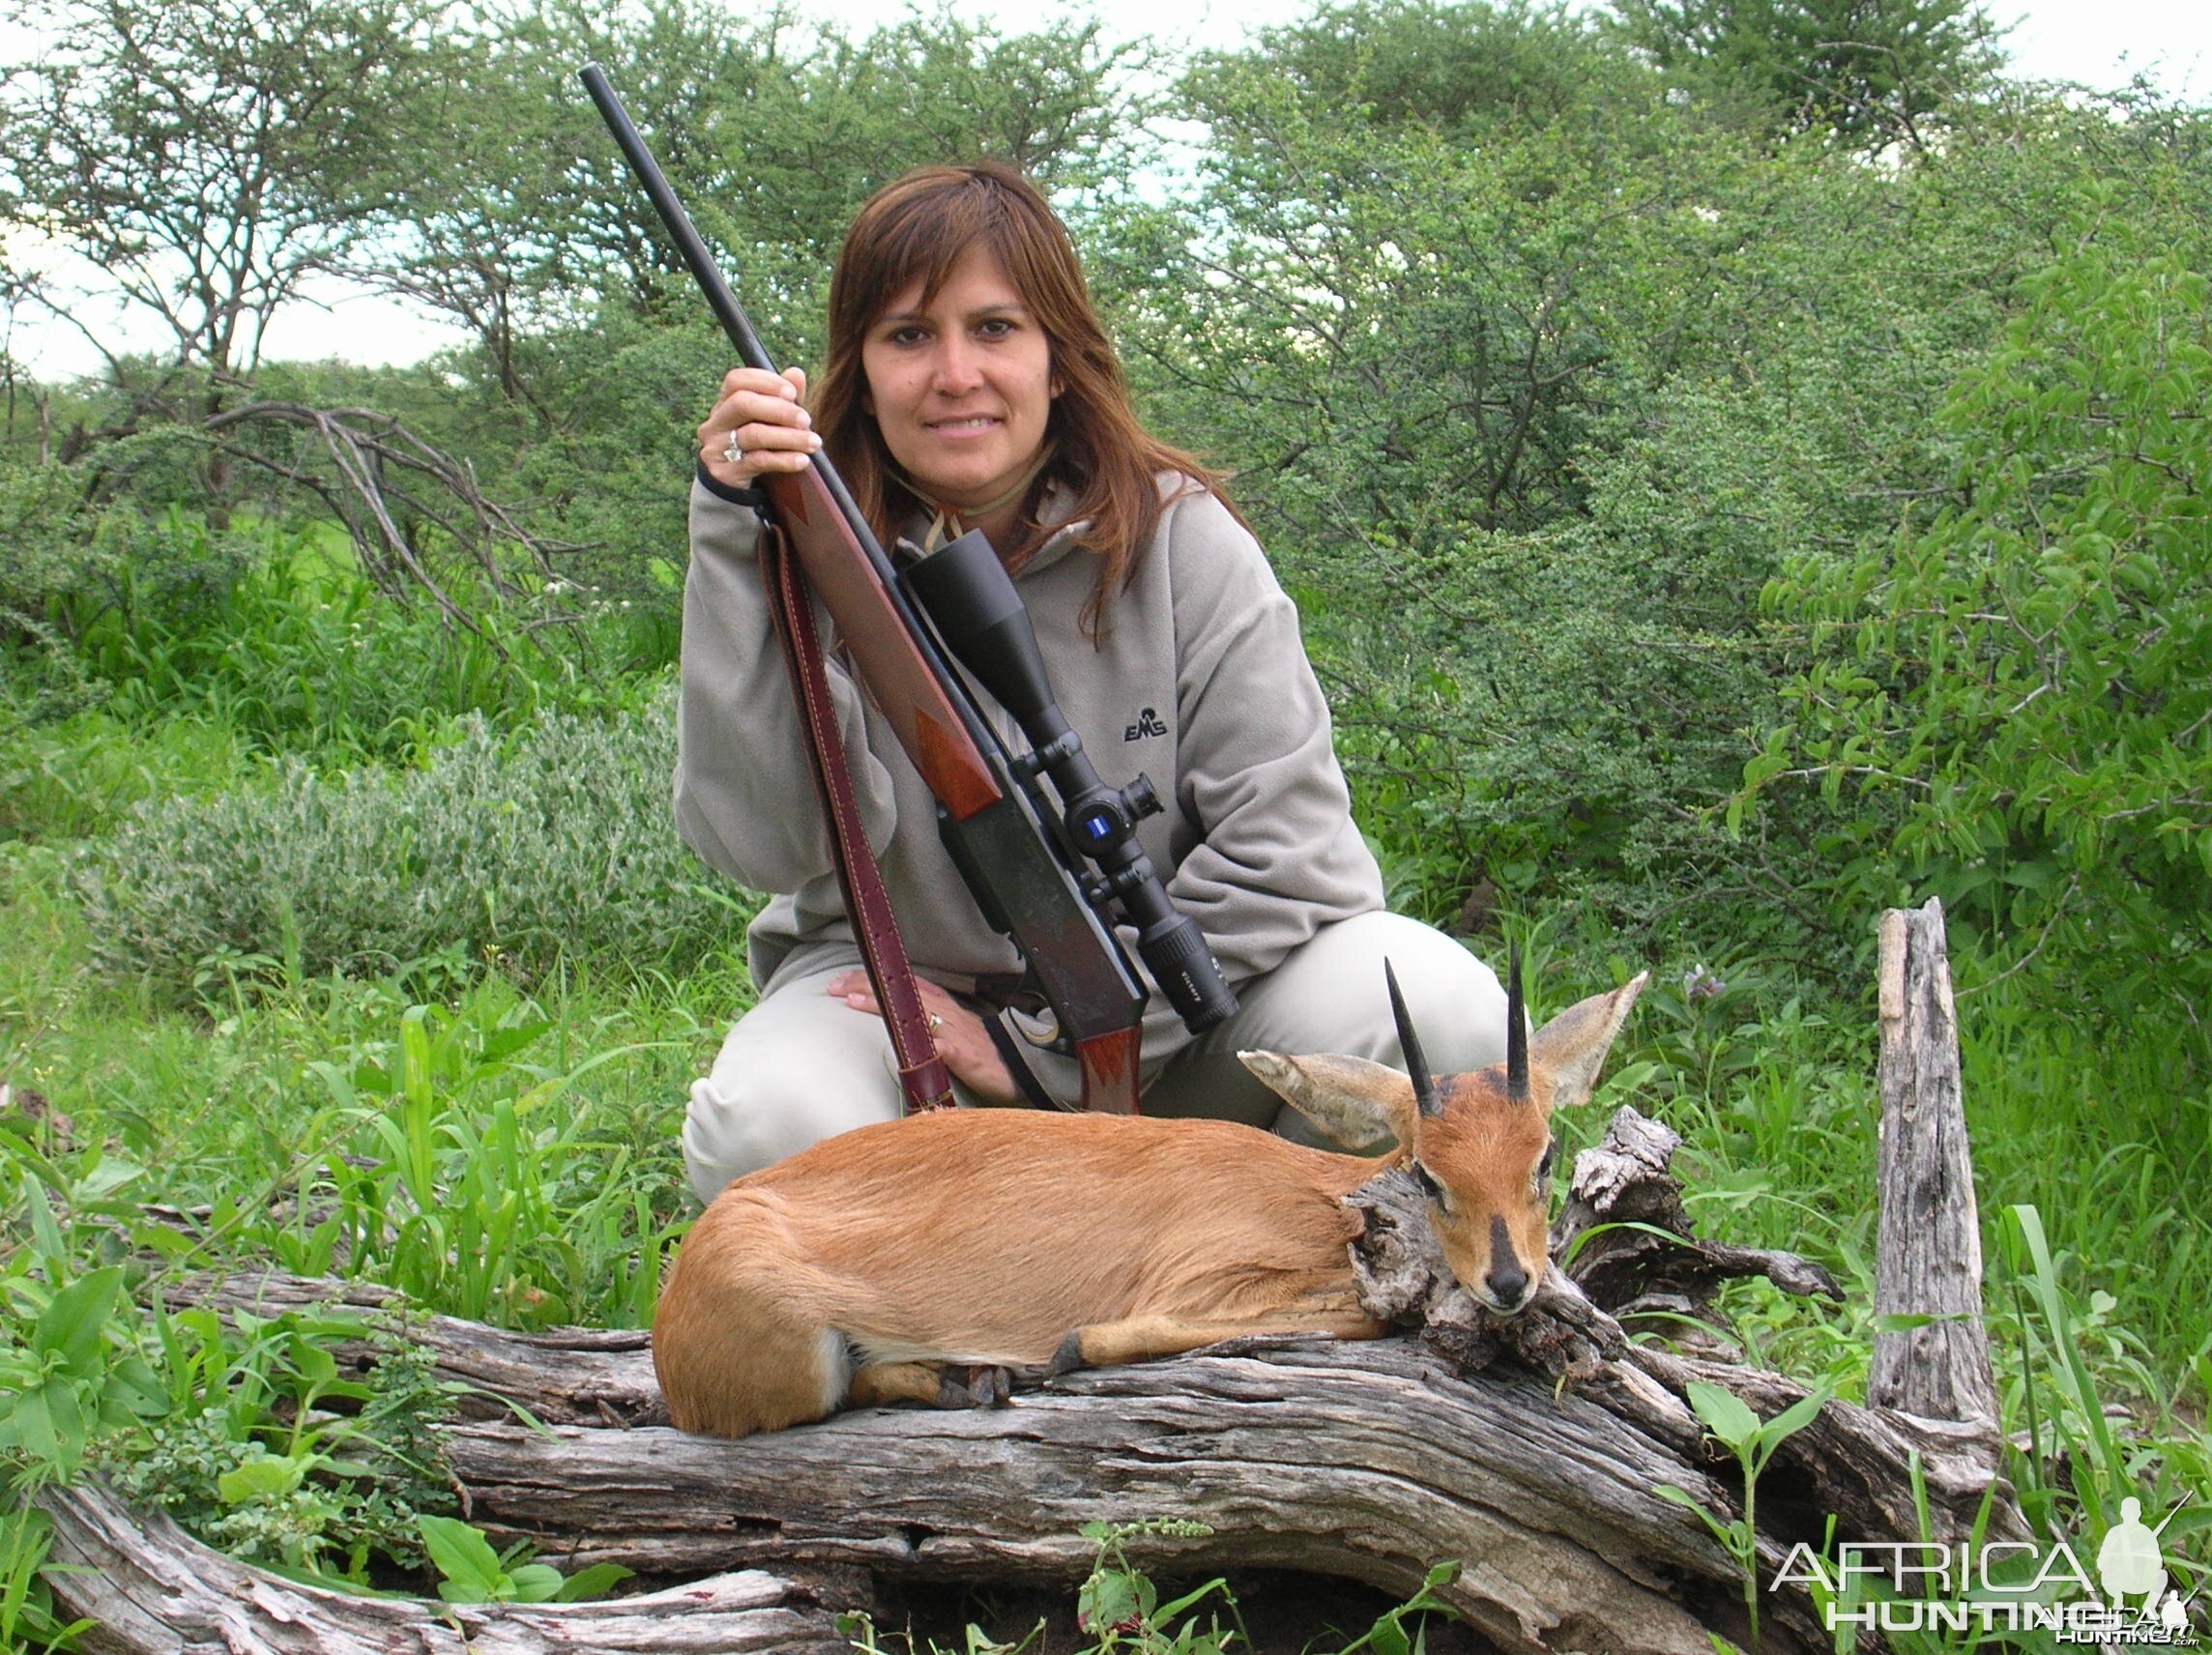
(501,1156)
(69,779)
(508,1150)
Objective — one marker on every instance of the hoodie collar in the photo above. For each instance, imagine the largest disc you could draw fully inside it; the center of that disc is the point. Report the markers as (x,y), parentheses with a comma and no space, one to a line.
(1055,510)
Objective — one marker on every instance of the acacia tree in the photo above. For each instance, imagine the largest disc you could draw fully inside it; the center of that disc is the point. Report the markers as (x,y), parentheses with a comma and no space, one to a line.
(517,219)
(193,151)
(208,159)
(1868,72)
(593,351)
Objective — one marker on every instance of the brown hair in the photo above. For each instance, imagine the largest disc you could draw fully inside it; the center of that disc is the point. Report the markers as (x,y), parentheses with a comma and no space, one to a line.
(917,228)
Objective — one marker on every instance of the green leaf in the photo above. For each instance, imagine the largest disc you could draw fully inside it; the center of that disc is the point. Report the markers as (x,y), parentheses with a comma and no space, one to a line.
(1903,1322)
(463,1558)
(534,1582)
(1629,1078)
(316,1365)
(1169,1611)
(268,1476)
(73,1325)
(503,1043)
(27,1425)
(1727,1416)
(1108,1600)
(593,1582)
(1791,1421)
(133,1387)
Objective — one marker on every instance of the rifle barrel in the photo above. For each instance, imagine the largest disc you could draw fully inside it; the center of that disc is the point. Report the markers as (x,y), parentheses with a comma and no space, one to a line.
(688,242)
(723,301)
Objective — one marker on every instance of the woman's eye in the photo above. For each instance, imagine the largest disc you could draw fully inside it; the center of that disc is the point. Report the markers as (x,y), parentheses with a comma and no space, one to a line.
(996,328)
(907,336)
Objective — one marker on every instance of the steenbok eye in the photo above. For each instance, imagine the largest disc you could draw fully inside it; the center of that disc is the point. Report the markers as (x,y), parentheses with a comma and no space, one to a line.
(1435,1191)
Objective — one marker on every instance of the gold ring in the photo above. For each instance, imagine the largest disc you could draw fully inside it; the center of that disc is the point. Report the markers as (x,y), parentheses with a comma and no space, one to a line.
(734,451)
(935,1023)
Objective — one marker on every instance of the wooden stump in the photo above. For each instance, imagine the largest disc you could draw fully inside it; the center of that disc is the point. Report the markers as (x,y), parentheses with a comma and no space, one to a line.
(1929,1260)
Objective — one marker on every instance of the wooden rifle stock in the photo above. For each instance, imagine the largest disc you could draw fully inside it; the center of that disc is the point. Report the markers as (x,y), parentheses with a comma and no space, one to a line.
(1024,879)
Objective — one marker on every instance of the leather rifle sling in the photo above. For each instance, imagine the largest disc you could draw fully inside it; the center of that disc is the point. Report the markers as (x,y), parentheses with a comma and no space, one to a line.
(924,1083)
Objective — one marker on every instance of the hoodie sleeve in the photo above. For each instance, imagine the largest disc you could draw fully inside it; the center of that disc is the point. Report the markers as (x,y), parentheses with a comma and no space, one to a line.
(745,793)
(1278,856)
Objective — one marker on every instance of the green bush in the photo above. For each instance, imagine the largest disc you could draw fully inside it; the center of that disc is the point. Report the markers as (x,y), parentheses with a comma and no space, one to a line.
(65,562)
(2012,696)
(553,844)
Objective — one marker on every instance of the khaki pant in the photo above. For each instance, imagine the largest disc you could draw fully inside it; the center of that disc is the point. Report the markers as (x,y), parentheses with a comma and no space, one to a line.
(802,1066)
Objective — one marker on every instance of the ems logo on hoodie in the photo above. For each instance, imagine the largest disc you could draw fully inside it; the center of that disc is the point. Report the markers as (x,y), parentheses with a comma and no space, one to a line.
(1147,724)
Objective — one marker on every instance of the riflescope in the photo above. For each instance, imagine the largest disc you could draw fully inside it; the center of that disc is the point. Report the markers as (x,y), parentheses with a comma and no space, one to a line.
(971,602)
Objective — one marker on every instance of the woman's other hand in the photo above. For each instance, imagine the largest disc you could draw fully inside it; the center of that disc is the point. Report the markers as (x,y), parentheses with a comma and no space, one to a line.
(763,422)
(962,1040)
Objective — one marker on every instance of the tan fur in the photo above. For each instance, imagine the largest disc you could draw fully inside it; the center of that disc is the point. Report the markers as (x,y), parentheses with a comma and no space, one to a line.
(861,1267)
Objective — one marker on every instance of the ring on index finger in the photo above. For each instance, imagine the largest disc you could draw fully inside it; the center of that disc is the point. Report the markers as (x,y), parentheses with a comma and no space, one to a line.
(734,451)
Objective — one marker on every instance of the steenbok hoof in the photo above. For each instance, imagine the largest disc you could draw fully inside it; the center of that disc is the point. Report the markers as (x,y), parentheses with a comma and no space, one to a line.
(973,1388)
(1069,1356)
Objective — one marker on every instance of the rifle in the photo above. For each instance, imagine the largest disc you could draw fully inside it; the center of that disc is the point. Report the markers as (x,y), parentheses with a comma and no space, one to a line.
(1021,860)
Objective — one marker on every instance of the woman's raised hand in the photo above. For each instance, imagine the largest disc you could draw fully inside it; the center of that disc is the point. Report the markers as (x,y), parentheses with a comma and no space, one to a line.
(759,425)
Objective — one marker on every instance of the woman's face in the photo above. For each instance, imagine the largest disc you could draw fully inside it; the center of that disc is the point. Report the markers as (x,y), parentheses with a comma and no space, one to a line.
(960,387)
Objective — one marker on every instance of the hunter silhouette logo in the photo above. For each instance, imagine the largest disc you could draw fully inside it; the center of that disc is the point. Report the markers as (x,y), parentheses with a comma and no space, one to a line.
(1147,724)
(2005,1586)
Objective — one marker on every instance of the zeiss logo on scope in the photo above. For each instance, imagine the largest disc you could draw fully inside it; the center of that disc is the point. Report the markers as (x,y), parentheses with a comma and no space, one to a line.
(1147,724)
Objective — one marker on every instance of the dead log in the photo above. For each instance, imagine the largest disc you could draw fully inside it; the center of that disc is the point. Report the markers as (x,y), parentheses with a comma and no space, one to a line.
(1529,1449)
(1929,1260)
(571,1375)
(1369,1461)
(149,1587)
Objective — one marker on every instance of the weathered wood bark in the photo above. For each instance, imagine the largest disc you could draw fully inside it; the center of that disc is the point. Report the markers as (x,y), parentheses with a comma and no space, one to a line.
(573,1376)
(1929,1260)
(1630,1243)
(149,1587)
(1369,1460)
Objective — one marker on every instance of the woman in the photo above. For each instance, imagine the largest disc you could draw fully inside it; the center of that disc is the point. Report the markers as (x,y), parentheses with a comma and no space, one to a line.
(971,386)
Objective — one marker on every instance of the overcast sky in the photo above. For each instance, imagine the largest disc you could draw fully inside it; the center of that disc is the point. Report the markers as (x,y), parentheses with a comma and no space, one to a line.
(2102,42)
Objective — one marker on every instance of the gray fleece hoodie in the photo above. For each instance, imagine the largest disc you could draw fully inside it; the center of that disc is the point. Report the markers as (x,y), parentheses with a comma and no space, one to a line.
(1200,682)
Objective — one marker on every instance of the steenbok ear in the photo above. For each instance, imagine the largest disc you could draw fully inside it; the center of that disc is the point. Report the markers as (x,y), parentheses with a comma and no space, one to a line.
(1356,1102)
(1571,1048)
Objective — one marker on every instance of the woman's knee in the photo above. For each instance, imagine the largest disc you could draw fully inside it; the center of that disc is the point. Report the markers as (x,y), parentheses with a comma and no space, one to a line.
(782,1084)
(1455,1000)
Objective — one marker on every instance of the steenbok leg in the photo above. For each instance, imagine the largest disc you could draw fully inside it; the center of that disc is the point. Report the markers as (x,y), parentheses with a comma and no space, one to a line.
(1141,1338)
